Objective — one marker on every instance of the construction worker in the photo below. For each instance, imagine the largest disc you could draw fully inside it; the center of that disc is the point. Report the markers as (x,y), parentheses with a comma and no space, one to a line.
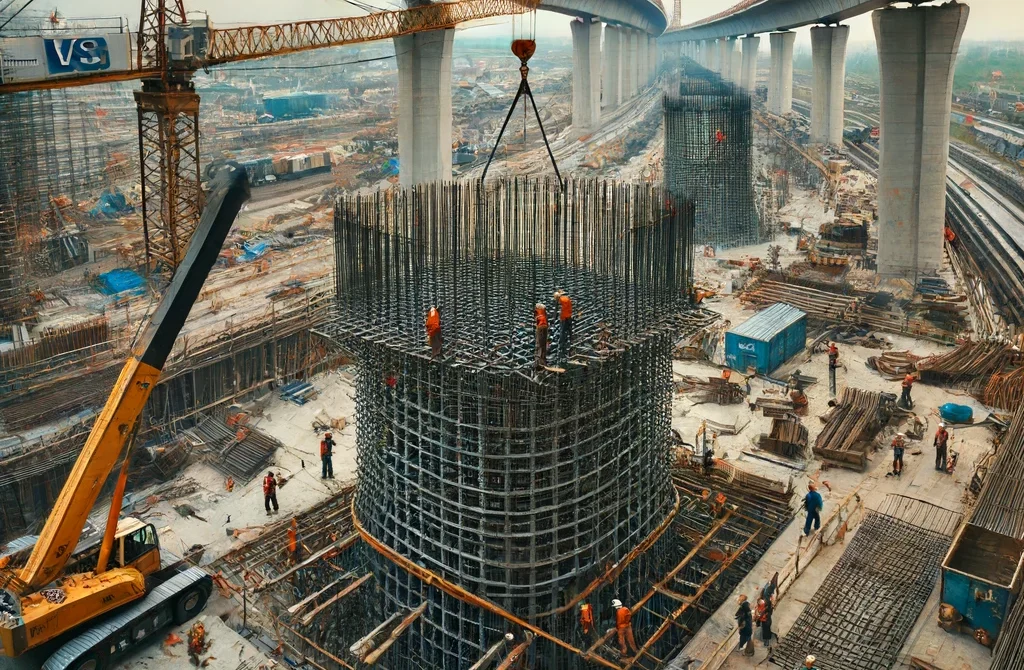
(833,363)
(726,373)
(813,504)
(327,456)
(293,542)
(948,233)
(434,331)
(564,323)
(587,619)
(540,318)
(624,627)
(763,617)
(899,443)
(270,492)
(230,484)
(809,663)
(745,622)
(941,440)
(908,382)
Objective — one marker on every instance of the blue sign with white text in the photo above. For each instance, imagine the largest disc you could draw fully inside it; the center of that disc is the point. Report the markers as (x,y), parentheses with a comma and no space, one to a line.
(76,54)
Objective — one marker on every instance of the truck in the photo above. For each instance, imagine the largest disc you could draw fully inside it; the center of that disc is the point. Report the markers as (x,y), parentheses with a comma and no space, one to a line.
(82,604)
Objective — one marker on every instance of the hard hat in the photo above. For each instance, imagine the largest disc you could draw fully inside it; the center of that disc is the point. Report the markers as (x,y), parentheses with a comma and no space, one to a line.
(509,637)
(327,434)
(540,305)
(901,434)
(942,424)
(582,605)
(616,603)
(810,659)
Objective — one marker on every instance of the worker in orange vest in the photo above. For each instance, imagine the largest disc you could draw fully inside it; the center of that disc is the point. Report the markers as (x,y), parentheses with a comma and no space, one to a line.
(624,627)
(564,322)
(949,234)
(270,492)
(540,317)
(908,382)
(293,542)
(327,457)
(726,373)
(587,619)
(434,331)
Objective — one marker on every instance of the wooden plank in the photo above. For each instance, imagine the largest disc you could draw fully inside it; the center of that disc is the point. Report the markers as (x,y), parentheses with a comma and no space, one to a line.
(395,634)
(302,604)
(490,656)
(365,644)
(340,545)
(306,620)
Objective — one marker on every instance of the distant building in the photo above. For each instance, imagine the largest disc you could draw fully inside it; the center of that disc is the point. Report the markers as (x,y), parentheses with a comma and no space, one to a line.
(297,105)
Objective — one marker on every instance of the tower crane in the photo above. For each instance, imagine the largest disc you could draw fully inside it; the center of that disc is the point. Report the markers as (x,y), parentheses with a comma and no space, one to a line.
(169,50)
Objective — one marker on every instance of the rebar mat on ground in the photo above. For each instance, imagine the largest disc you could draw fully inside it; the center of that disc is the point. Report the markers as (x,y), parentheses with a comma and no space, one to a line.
(864,611)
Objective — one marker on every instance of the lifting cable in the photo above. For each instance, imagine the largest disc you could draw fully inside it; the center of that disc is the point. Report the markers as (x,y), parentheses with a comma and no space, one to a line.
(523,49)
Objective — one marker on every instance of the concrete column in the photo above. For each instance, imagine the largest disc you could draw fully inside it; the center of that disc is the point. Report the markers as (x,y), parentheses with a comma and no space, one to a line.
(735,61)
(652,59)
(586,75)
(724,61)
(642,66)
(780,74)
(425,106)
(917,50)
(612,84)
(828,54)
(748,75)
(708,49)
(628,64)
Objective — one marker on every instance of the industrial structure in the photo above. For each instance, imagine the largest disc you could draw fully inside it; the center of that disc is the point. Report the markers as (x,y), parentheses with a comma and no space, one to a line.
(708,145)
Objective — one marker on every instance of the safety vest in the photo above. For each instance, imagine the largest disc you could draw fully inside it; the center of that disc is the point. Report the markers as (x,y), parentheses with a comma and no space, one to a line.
(269,485)
(908,381)
(564,307)
(433,322)
(325,448)
(541,316)
(586,615)
(622,617)
(941,437)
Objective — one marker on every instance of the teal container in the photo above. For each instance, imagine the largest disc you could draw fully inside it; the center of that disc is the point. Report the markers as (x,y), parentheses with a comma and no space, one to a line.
(766,340)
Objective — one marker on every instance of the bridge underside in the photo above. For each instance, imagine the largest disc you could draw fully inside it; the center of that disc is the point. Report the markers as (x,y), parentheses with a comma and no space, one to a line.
(774,15)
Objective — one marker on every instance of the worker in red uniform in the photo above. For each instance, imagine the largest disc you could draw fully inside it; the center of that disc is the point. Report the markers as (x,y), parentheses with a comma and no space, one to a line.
(941,441)
(726,373)
(270,492)
(540,318)
(833,363)
(908,382)
(587,619)
(327,457)
(434,331)
(293,542)
(564,322)
(949,234)
(624,627)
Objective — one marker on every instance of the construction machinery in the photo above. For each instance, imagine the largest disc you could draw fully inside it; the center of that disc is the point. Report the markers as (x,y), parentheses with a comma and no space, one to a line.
(170,48)
(40,601)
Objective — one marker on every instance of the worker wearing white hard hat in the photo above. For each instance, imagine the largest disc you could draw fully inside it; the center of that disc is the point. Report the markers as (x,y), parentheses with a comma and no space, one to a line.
(941,442)
(809,662)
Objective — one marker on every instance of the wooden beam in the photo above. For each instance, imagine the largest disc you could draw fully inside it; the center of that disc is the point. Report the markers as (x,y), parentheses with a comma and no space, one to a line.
(301,605)
(489,657)
(340,545)
(365,644)
(516,653)
(306,620)
(395,634)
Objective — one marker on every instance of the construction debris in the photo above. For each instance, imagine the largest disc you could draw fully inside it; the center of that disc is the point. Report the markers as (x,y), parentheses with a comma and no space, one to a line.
(788,437)
(895,365)
(968,362)
(711,389)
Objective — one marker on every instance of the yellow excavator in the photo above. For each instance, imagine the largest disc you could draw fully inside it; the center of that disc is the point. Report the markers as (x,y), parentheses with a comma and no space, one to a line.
(91,602)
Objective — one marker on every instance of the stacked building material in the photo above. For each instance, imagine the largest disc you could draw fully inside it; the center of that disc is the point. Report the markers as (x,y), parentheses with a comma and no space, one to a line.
(969,361)
(238,451)
(711,389)
(1005,390)
(788,437)
(864,611)
(851,425)
(894,364)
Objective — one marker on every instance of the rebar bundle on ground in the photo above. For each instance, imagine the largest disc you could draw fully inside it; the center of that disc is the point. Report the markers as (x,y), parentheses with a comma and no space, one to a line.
(708,140)
(524,486)
(862,614)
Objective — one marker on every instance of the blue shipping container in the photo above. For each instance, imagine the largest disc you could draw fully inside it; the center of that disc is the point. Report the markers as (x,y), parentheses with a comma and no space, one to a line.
(766,340)
(980,575)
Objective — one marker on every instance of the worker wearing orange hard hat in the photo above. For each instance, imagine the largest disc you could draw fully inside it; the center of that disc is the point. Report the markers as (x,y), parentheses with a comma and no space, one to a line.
(624,627)
(564,322)
(433,325)
(327,456)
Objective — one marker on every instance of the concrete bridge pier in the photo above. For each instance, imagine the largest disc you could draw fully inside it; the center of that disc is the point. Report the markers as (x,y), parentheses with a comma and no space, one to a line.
(780,73)
(735,61)
(917,50)
(628,64)
(708,50)
(425,106)
(652,59)
(642,65)
(612,84)
(586,75)
(748,74)
(724,58)
(828,55)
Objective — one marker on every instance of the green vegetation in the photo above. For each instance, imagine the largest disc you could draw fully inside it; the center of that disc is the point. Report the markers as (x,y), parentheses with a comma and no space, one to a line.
(976,62)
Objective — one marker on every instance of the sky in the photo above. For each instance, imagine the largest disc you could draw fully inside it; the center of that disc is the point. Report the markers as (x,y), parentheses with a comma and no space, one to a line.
(989,19)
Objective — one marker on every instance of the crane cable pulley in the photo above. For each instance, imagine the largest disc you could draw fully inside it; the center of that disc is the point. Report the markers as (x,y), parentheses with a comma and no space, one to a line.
(523,49)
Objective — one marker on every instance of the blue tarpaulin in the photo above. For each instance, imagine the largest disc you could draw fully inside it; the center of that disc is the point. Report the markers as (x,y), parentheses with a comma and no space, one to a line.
(111,204)
(121,280)
(253,249)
